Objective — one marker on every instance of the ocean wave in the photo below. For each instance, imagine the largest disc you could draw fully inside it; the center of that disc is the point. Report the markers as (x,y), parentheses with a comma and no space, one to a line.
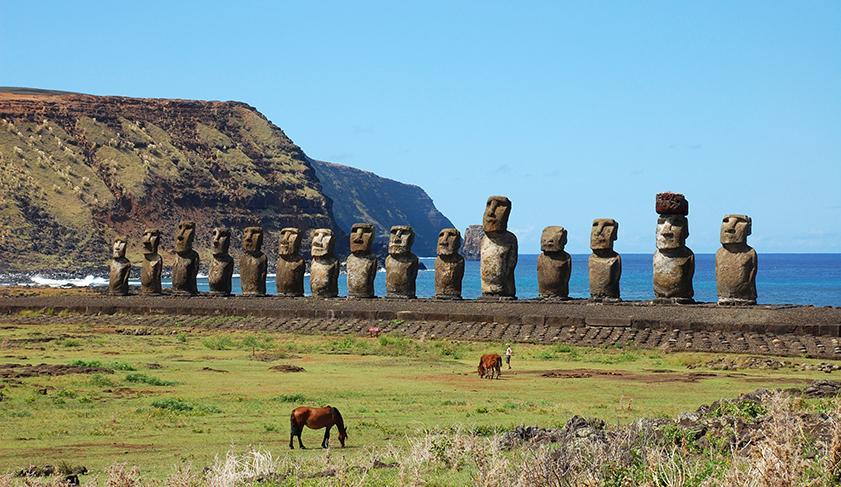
(86,281)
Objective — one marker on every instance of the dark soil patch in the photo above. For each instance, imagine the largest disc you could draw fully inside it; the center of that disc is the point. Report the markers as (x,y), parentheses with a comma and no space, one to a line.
(211,369)
(287,368)
(654,377)
(23,370)
(272,356)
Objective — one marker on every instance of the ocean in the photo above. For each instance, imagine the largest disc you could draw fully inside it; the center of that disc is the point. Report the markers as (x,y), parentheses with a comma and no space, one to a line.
(782,279)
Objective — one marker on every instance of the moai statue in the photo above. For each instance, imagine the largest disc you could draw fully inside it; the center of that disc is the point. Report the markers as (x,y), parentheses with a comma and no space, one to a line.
(119,268)
(498,251)
(222,264)
(674,262)
(449,265)
(401,265)
(554,265)
(290,264)
(736,262)
(253,265)
(153,263)
(605,264)
(186,266)
(324,268)
(361,263)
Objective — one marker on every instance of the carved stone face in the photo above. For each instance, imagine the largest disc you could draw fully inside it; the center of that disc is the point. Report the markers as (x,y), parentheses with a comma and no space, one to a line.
(553,239)
(735,229)
(322,242)
(220,241)
(252,239)
(603,234)
(672,231)
(400,239)
(449,240)
(151,240)
(118,249)
(497,210)
(290,241)
(184,236)
(361,236)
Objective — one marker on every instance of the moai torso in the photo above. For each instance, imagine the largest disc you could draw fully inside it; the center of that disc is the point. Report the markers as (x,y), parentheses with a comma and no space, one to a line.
(449,265)
(152,265)
(401,265)
(290,265)
(361,264)
(253,265)
(221,270)
(554,265)
(604,264)
(186,266)
(736,262)
(119,268)
(498,257)
(674,262)
(324,268)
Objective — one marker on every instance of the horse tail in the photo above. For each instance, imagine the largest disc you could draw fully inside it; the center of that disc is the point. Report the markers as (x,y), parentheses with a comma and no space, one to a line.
(293,423)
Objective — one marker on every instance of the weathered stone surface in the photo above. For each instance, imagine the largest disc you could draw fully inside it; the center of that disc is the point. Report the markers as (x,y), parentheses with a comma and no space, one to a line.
(290,265)
(472,248)
(361,263)
(672,204)
(554,264)
(449,265)
(401,265)
(221,264)
(498,251)
(736,262)
(153,263)
(324,269)
(674,262)
(253,265)
(186,266)
(604,264)
(119,268)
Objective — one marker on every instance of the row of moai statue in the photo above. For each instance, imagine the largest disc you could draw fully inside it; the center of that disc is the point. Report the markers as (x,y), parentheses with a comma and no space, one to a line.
(674,262)
(401,264)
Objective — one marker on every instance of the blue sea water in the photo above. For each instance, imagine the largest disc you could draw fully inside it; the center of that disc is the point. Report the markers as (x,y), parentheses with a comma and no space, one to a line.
(782,278)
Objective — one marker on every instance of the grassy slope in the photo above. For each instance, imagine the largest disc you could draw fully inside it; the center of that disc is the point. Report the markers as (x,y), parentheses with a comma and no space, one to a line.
(387,389)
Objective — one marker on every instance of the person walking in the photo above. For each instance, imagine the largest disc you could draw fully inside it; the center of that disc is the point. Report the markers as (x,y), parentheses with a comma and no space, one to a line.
(508,354)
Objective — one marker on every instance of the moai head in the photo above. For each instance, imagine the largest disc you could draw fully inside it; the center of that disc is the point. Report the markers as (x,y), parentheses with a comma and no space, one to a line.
(290,242)
(400,239)
(735,229)
(553,239)
(118,248)
(151,240)
(361,236)
(449,241)
(603,234)
(322,242)
(252,239)
(220,241)
(497,210)
(184,236)
(672,231)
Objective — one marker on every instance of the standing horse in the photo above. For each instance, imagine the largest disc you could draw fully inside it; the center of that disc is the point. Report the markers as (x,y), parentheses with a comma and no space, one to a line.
(489,364)
(317,418)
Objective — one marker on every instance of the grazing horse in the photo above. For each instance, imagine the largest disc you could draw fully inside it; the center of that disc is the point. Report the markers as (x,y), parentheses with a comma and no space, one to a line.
(317,418)
(488,364)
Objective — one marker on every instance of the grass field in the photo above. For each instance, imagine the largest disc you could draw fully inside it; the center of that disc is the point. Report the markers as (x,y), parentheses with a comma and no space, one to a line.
(190,395)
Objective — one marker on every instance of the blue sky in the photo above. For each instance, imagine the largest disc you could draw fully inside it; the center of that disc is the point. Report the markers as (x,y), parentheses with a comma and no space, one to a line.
(574,110)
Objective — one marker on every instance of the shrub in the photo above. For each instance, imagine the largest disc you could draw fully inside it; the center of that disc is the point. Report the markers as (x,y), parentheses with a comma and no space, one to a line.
(148,379)
(296,398)
(181,406)
(219,343)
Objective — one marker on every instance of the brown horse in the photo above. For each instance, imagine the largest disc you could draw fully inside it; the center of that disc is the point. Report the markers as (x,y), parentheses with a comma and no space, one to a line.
(317,418)
(488,364)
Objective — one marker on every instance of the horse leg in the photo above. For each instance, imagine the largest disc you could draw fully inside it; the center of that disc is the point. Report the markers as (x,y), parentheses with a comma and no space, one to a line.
(293,429)
(300,443)
(326,442)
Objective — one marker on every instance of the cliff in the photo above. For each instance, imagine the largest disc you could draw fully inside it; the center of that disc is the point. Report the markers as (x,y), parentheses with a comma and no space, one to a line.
(472,242)
(362,196)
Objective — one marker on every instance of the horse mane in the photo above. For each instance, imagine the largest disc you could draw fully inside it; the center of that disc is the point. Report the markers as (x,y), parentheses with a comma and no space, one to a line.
(340,422)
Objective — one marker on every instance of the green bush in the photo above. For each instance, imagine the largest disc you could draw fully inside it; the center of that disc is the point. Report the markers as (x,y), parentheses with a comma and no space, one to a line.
(148,379)
(219,343)
(182,407)
(296,398)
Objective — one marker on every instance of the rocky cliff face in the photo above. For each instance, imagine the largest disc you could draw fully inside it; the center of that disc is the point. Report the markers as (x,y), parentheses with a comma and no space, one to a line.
(472,246)
(75,170)
(362,196)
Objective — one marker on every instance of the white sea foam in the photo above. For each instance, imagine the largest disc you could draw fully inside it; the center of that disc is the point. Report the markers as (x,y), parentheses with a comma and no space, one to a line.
(86,281)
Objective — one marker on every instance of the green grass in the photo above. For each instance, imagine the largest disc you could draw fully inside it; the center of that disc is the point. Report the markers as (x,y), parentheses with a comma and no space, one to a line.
(388,388)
